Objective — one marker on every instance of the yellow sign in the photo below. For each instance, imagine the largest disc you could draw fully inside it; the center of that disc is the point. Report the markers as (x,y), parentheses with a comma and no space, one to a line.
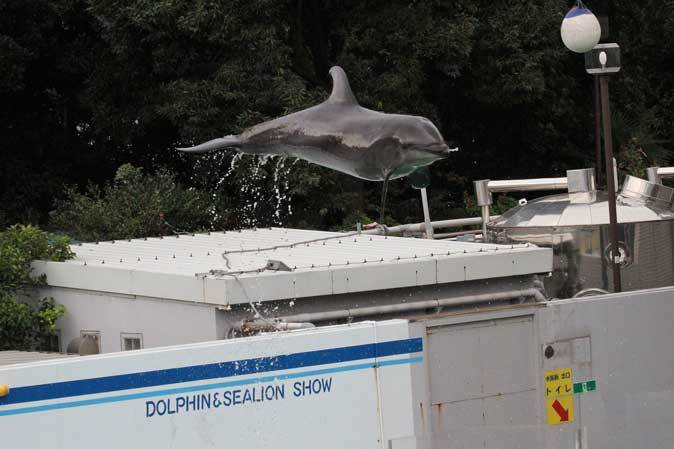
(559,396)
(559,410)
(558,382)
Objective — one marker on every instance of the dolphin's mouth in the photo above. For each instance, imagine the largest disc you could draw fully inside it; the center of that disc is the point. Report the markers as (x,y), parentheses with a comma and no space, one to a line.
(438,150)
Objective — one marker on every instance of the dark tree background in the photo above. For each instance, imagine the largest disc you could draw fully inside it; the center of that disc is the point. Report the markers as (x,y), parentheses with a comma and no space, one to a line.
(89,85)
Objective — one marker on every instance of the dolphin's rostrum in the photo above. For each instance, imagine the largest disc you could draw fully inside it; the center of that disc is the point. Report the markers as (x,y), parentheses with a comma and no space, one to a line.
(344,136)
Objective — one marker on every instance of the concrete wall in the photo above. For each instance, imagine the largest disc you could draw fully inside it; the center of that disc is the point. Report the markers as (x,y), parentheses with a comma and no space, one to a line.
(626,342)
(485,366)
(161,322)
(165,322)
(486,373)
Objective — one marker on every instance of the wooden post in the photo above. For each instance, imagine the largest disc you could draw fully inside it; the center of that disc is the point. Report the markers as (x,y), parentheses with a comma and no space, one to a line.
(597,131)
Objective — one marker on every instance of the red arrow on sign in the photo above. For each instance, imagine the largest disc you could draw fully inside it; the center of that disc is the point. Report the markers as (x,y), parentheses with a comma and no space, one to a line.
(561,411)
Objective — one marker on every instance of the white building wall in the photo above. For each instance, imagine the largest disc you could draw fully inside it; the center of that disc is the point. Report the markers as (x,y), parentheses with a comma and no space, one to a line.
(161,322)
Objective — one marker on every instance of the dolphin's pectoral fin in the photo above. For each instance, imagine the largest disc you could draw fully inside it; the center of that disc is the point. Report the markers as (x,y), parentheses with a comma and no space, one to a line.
(420,178)
(341,91)
(214,145)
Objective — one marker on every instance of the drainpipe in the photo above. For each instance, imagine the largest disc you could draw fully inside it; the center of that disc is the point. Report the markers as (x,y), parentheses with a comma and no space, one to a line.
(409,307)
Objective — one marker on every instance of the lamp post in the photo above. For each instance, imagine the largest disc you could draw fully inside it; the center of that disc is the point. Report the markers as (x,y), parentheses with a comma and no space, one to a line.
(581,32)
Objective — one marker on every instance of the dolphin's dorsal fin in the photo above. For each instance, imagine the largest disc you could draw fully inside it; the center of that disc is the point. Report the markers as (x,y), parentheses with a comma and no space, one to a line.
(341,91)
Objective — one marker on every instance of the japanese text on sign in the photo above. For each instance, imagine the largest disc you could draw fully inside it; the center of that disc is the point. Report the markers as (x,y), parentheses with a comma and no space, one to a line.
(559,396)
(558,383)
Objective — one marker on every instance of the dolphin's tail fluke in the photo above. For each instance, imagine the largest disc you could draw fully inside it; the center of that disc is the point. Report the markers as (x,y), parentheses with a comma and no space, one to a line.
(214,145)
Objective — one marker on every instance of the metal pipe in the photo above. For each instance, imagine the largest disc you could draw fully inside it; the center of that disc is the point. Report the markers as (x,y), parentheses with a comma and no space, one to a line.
(657,174)
(666,172)
(420,227)
(484,200)
(610,182)
(294,326)
(447,235)
(427,214)
(482,193)
(485,187)
(412,306)
(653,175)
(590,292)
(484,211)
(250,326)
(527,185)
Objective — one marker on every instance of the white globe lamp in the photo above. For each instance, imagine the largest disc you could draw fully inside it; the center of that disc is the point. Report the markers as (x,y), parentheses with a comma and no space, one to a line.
(580,29)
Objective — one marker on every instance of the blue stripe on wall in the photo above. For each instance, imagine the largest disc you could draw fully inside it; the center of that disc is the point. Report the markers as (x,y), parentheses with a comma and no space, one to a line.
(146,379)
(213,386)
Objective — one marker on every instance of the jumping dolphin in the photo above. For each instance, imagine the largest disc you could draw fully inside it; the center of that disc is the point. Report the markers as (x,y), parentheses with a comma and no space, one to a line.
(344,136)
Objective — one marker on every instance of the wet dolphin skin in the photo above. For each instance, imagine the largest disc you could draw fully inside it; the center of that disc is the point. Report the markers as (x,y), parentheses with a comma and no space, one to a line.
(344,136)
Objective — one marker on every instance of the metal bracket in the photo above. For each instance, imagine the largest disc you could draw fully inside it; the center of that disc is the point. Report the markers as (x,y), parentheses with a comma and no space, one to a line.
(277,265)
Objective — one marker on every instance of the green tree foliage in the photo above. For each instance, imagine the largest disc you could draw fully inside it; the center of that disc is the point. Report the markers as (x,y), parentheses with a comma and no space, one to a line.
(46,54)
(22,324)
(501,204)
(92,84)
(135,204)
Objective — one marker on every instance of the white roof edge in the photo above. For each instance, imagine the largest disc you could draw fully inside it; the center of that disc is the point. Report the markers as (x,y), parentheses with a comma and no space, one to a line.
(300,283)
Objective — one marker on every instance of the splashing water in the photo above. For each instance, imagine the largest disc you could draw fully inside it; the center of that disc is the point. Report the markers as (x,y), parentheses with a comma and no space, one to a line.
(260,184)
(232,165)
(251,192)
(282,190)
(255,175)
(203,177)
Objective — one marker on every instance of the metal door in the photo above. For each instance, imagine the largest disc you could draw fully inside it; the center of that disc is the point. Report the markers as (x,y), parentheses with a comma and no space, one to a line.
(483,385)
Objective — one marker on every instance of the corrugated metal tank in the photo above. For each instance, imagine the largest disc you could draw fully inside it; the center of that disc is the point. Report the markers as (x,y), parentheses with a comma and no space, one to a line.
(576,226)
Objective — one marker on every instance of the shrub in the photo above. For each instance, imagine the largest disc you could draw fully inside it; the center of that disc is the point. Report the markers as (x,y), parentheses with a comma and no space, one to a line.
(23,326)
(134,205)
